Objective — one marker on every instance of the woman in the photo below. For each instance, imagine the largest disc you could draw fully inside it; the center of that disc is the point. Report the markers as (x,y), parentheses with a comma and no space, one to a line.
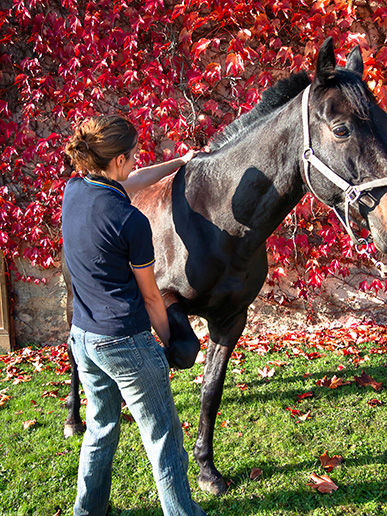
(109,253)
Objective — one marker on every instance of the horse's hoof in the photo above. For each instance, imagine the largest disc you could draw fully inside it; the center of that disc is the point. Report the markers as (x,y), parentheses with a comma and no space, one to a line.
(215,487)
(70,430)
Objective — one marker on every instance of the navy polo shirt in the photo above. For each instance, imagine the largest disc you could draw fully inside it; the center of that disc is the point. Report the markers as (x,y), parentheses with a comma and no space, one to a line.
(104,236)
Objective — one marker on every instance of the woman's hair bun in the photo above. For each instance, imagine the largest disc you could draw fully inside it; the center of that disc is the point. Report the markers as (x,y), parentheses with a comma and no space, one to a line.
(82,146)
(98,140)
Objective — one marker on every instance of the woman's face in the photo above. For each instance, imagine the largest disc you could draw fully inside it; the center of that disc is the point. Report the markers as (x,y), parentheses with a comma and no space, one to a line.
(121,166)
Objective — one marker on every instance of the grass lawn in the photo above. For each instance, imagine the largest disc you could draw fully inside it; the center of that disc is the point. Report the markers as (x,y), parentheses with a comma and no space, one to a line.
(264,422)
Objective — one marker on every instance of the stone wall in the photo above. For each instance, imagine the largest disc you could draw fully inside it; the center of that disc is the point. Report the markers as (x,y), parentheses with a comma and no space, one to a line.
(40,310)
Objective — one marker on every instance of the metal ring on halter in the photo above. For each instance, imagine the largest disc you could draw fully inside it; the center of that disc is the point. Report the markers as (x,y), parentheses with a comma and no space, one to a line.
(362,251)
(308,153)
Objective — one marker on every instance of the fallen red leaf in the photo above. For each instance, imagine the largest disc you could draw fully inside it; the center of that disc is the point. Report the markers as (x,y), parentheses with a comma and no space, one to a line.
(294,412)
(225,424)
(243,386)
(304,417)
(4,397)
(199,379)
(200,358)
(358,360)
(328,463)
(278,363)
(314,355)
(29,423)
(50,394)
(322,483)
(255,473)
(365,380)
(332,383)
(305,395)
(237,356)
(185,426)
(266,372)
(374,402)
(21,379)
(300,415)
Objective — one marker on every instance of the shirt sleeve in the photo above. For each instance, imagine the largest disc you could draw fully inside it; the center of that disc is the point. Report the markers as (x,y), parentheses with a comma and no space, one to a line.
(141,252)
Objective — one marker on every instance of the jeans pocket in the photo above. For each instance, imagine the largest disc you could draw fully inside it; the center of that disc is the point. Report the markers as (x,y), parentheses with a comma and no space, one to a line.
(118,355)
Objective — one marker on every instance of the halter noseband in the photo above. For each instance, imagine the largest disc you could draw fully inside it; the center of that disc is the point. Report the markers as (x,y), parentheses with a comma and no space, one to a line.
(352,193)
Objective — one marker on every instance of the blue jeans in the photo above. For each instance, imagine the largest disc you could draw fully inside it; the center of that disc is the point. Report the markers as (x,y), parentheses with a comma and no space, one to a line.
(135,368)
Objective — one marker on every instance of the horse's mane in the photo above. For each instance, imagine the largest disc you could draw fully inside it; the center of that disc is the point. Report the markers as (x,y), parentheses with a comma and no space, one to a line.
(274,97)
(353,88)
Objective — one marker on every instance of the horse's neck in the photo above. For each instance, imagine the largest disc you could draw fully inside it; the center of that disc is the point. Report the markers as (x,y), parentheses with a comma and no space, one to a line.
(250,187)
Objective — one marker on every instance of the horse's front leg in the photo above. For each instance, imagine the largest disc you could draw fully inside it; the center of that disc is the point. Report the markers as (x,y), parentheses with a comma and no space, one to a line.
(219,349)
(73,423)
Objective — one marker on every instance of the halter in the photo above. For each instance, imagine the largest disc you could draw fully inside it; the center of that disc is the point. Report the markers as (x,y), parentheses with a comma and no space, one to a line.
(353,193)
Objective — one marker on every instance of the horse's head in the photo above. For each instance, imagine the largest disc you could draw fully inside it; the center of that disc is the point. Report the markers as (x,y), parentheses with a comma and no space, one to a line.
(345,144)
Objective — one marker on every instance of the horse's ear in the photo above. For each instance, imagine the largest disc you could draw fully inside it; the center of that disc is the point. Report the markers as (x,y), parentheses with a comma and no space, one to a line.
(355,61)
(326,61)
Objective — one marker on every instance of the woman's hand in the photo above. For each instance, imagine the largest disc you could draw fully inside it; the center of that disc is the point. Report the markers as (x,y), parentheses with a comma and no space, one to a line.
(187,157)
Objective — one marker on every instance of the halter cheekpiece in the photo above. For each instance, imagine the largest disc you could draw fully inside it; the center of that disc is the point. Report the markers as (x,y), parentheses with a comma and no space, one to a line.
(353,193)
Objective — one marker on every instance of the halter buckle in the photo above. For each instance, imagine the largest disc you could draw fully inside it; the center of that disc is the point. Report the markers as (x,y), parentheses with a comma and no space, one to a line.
(308,153)
(352,194)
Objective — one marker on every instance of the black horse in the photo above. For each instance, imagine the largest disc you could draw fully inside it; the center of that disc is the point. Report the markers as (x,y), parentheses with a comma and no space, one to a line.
(211,219)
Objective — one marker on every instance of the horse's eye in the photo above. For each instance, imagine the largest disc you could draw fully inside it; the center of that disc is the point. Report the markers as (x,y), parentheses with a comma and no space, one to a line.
(341,131)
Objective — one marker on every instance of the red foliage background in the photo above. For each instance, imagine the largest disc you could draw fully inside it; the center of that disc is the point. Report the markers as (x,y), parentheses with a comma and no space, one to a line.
(180,72)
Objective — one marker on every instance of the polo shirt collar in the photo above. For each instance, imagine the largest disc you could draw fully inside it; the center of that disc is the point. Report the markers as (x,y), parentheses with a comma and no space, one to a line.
(104,182)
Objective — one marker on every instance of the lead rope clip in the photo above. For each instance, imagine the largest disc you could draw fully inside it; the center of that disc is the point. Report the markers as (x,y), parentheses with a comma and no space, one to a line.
(382,267)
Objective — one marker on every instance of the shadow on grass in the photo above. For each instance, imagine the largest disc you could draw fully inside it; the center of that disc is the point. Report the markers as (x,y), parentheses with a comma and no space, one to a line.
(351,496)
(271,468)
(379,373)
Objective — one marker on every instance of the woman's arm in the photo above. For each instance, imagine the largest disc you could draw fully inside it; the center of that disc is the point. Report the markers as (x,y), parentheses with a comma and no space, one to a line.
(154,303)
(143,177)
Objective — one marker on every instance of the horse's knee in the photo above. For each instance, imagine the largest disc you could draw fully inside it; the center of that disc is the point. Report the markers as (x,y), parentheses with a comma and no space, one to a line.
(183,343)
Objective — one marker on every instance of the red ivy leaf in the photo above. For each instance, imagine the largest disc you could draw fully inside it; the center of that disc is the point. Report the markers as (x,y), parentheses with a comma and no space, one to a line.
(234,64)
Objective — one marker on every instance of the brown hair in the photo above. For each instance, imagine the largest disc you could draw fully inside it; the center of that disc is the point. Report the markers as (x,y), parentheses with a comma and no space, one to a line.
(98,140)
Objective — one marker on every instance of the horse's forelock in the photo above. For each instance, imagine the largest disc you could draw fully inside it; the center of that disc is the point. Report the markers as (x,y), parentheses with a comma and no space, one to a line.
(355,91)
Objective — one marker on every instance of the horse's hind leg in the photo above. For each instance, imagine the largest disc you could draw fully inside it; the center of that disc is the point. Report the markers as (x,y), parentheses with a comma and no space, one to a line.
(73,423)
(219,349)
(183,343)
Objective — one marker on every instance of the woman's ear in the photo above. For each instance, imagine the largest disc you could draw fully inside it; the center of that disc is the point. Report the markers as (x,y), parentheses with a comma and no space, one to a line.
(120,160)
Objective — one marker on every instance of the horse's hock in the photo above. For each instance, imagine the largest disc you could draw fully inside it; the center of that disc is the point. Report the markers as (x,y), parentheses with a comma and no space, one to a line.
(39,312)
